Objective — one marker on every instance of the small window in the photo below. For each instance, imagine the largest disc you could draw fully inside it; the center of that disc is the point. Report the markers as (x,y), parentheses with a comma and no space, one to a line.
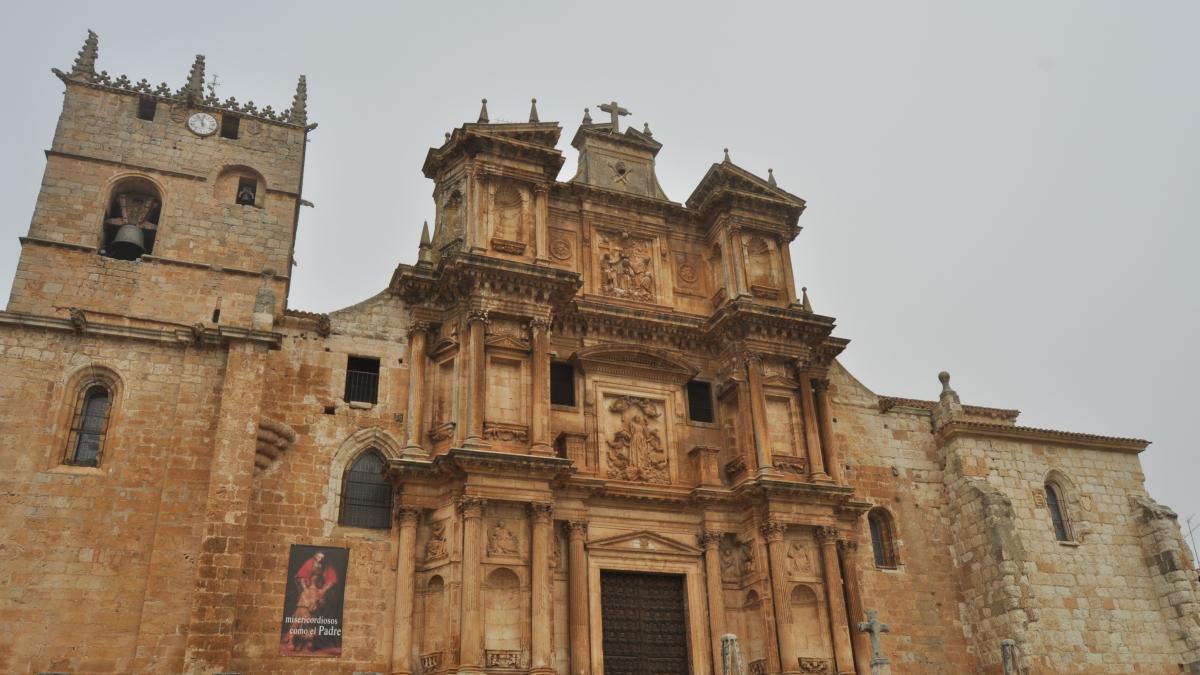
(1062,527)
(562,384)
(700,401)
(146,108)
(247,191)
(362,380)
(366,495)
(89,426)
(883,538)
(229,126)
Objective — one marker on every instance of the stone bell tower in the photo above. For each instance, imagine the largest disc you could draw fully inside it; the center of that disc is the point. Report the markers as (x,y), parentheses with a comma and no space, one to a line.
(161,202)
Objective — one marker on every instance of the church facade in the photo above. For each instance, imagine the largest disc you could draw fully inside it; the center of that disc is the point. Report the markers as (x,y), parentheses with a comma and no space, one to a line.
(591,430)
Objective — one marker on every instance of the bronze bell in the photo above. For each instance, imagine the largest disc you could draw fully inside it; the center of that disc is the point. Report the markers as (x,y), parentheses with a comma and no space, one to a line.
(129,244)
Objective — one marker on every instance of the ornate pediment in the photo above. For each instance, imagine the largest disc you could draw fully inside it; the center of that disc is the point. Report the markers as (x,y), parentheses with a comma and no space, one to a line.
(635,361)
(645,541)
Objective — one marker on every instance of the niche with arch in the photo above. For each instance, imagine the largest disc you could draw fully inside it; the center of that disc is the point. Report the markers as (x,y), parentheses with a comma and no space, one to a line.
(433,615)
(508,219)
(504,610)
(807,624)
(240,185)
(131,219)
(756,629)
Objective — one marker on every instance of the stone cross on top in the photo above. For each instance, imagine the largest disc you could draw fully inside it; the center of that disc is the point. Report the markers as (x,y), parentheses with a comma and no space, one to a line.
(873,626)
(616,111)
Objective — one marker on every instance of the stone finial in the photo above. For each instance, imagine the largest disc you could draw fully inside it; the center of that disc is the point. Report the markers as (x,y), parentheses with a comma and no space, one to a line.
(948,408)
(425,249)
(771,178)
(646,129)
(85,62)
(299,113)
(447,136)
(804,299)
(727,155)
(587,116)
(193,91)
(483,116)
(533,116)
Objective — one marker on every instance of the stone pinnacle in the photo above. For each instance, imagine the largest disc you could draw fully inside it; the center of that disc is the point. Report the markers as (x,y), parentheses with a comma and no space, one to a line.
(533,116)
(85,62)
(483,116)
(771,177)
(193,91)
(300,102)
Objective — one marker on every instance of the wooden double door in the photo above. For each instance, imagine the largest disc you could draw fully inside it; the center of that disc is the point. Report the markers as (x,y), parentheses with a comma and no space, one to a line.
(645,623)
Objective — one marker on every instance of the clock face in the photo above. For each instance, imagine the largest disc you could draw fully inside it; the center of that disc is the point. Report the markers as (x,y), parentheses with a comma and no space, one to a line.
(202,124)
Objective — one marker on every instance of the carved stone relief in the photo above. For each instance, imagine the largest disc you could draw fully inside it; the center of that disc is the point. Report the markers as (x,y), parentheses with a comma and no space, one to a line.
(626,267)
(501,540)
(799,559)
(688,275)
(436,548)
(737,559)
(635,446)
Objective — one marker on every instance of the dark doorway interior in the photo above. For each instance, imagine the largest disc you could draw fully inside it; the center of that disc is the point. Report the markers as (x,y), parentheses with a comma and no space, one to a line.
(645,624)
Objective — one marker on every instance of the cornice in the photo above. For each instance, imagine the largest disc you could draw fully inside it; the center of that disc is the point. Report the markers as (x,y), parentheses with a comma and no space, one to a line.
(918,407)
(150,169)
(1070,439)
(168,334)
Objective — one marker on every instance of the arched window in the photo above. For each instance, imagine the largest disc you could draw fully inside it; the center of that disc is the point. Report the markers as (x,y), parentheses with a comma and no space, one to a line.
(883,538)
(1058,514)
(131,222)
(89,425)
(366,496)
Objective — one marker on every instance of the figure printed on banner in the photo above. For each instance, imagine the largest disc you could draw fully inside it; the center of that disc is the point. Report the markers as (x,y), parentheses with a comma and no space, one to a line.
(312,605)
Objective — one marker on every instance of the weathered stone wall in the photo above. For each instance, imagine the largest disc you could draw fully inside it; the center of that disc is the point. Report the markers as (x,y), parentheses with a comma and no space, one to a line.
(100,563)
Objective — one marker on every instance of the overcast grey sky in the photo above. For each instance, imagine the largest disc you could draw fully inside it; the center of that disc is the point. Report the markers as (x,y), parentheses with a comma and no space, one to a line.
(1002,190)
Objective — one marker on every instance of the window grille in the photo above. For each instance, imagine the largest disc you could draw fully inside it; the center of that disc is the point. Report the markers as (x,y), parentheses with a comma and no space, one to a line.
(89,426)
(366,496)
(1062,530)
(362,380)
(700,402)
(883,538)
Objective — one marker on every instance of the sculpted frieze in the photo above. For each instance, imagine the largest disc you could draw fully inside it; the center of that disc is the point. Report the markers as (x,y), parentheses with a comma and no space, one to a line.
(501,540)
(635,446)
(626,267)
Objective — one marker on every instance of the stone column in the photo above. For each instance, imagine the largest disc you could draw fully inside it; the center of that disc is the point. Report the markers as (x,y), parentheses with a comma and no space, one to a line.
(578,598)
(418,341)
(758,416)
(211,625)
(539,371)
(476,377)
(812,437)
(711,543)
(541,219)
(406,562)
(470,639)
(789,659)
(540,579)
(833,462)
(859,641)
(839,624)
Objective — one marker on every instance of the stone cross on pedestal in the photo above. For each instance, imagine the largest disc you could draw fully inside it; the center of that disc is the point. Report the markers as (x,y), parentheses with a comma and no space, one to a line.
(874,627)
(731,656)
(616,111)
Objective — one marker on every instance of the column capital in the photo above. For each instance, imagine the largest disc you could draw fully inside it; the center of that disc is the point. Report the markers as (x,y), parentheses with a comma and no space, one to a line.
(541,189)
(773,530)
(407,515)
(576,529)
(541,512)
(847,546)
(470,507)
(828,534)
(539,323)
(477,314)
(710,539)
(819,384)
(420,327)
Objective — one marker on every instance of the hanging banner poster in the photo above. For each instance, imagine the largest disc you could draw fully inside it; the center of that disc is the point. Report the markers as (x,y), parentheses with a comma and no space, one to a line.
(312,605)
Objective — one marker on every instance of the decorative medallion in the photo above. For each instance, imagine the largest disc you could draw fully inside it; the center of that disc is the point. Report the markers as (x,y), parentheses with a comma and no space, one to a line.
(560,249)
(687,272)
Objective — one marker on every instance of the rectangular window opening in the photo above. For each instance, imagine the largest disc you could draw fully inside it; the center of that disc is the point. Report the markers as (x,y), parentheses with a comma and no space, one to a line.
(229,126)
(700,401)
(562,384)
(146,108)
(247,191)
(362,380)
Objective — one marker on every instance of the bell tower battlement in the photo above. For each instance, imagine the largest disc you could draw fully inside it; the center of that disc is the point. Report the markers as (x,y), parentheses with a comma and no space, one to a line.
(163,202)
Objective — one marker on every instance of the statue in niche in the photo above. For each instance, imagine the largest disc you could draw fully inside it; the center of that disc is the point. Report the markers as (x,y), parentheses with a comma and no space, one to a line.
(627,269)
(635,451)
(799,560)
(436,546)
(501,540)
(730,569)
(747,558)
(759,262)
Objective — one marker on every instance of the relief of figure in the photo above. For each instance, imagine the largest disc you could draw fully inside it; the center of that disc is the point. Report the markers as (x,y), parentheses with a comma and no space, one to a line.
(635,450)
(501,540)
(729,563)
(799,561)
(747,558)
(628,271)
(436,546)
